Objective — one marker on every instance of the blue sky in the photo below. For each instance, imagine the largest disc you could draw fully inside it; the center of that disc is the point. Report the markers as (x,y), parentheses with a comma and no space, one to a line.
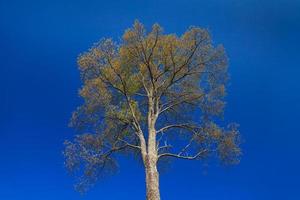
(39,43)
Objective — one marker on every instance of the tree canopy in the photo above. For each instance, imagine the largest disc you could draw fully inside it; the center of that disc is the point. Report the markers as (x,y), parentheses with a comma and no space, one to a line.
(151,90)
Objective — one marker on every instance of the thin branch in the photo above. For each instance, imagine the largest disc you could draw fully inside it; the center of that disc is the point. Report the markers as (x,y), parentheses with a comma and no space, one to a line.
(199,154)
(130,145)
(163,147)
(185,126)
(180,102)
(187,146)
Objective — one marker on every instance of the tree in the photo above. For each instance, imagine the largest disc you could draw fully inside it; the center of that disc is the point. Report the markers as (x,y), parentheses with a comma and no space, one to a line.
(153,95)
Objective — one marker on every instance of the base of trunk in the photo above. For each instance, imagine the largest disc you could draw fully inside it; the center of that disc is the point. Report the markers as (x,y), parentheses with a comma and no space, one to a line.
(152,181)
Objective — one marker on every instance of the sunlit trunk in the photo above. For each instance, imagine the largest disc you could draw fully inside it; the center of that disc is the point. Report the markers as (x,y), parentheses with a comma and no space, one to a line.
(150,160)
(152,179)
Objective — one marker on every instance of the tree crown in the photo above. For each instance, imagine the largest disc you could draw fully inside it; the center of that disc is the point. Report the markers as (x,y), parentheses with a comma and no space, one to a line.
(177,82)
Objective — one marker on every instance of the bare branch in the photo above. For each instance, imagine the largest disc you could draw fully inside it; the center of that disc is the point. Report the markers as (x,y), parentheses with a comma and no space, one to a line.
(184,126)
(163,147)
(199,154)
(130,145)
(176,103)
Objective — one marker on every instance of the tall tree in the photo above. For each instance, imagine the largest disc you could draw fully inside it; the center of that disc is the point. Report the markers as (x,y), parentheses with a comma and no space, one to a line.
(153,95)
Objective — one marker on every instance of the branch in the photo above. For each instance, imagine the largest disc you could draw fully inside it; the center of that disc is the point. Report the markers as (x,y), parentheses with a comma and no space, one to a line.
(184,126)
(199,154)
(114,149)
(140,94)
(136,123)
(148,61)
(175,72)
(180,102)
(162,147)
(187,146)
(130,145)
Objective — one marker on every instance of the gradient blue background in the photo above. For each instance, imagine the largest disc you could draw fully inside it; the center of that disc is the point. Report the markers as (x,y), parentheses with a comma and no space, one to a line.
(39,43)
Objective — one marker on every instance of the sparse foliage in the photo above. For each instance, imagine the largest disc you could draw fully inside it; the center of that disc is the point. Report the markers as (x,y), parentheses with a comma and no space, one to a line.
(154,95)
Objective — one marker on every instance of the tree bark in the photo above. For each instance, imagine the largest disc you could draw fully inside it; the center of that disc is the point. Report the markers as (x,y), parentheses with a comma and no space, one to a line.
(150,161)
(152,178)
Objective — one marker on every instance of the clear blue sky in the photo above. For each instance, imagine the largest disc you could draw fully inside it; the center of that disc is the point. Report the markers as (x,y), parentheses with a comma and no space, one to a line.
(39,43)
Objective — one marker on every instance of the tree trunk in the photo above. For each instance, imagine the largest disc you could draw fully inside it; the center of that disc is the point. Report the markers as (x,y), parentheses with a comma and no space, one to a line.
(152,178)
(150,160)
